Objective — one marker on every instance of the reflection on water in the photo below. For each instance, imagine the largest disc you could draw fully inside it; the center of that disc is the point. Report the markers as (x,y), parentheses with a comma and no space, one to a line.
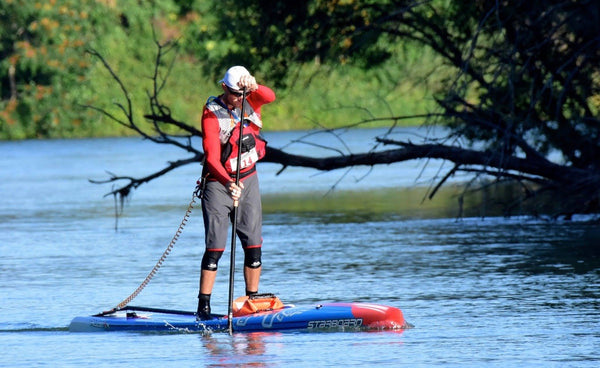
(245,349)
(383,204)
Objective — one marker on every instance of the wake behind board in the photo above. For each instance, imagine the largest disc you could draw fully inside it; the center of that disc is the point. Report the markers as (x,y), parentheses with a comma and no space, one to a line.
(337,316)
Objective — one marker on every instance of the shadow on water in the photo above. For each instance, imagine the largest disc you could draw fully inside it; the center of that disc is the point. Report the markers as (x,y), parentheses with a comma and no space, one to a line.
(572,249)
(363,206)
(533,248)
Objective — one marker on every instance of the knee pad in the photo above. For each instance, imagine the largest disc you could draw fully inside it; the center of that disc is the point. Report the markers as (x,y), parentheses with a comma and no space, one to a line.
(210,260)
(252,257)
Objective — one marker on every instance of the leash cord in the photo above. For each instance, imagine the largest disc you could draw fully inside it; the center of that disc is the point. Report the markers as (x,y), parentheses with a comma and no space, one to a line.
(158,264)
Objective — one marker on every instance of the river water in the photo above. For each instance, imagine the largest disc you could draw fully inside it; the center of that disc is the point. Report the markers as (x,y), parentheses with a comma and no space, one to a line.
(480,291)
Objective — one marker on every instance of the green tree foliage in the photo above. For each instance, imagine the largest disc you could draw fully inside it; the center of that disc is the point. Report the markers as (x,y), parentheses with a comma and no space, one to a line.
(46,75)
(305,50)
(533,71)
(42,65)
(275,36)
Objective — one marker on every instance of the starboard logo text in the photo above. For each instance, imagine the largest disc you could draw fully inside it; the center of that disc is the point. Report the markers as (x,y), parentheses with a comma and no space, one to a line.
(336,323)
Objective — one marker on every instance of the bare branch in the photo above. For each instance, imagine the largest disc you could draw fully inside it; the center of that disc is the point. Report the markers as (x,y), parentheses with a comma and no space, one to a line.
(134,183)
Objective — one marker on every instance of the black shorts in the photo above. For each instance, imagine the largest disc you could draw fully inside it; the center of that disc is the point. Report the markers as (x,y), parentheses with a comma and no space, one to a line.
(217,211)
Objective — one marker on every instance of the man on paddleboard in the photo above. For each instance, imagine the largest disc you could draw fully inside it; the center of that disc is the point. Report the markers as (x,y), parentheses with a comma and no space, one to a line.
(220,133)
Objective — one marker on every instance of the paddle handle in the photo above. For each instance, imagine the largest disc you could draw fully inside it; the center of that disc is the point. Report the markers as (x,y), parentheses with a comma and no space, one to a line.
(234,225)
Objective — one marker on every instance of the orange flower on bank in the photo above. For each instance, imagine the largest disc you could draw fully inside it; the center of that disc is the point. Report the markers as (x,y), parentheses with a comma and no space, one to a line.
(14,59)
(6,114)
(27,49)
(42,91)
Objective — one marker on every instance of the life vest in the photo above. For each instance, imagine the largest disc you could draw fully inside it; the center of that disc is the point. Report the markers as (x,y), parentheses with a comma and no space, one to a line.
(253,145)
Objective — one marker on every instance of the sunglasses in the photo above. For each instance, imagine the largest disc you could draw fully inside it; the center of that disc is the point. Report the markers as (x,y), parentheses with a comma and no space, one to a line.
(236,93)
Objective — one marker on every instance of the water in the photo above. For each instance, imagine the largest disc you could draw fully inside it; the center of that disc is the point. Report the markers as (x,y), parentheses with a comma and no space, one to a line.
(480,292)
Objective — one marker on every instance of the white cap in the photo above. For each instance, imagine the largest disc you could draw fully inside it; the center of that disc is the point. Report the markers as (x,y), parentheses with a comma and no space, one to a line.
(233,75)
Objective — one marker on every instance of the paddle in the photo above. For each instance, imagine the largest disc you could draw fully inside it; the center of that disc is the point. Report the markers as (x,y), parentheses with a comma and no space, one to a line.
(234,226)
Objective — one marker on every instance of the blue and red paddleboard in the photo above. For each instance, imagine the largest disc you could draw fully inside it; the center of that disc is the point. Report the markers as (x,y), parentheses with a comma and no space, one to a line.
(327,316)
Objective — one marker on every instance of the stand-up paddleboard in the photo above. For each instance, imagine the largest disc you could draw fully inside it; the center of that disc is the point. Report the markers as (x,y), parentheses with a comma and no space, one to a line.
(340,316)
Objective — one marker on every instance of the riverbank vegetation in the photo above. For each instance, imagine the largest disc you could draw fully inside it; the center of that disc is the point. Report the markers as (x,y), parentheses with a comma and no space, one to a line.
(48,75)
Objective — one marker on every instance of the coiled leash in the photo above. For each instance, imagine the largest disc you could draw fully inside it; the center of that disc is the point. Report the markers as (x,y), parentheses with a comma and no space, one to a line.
(197,194)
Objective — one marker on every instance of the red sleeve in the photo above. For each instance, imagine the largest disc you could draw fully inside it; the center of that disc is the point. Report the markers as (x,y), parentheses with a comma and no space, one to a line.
(262,96)
(212,147)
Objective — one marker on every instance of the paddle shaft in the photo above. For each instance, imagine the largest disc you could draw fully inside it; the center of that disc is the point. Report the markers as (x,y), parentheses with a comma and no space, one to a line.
(234,225)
